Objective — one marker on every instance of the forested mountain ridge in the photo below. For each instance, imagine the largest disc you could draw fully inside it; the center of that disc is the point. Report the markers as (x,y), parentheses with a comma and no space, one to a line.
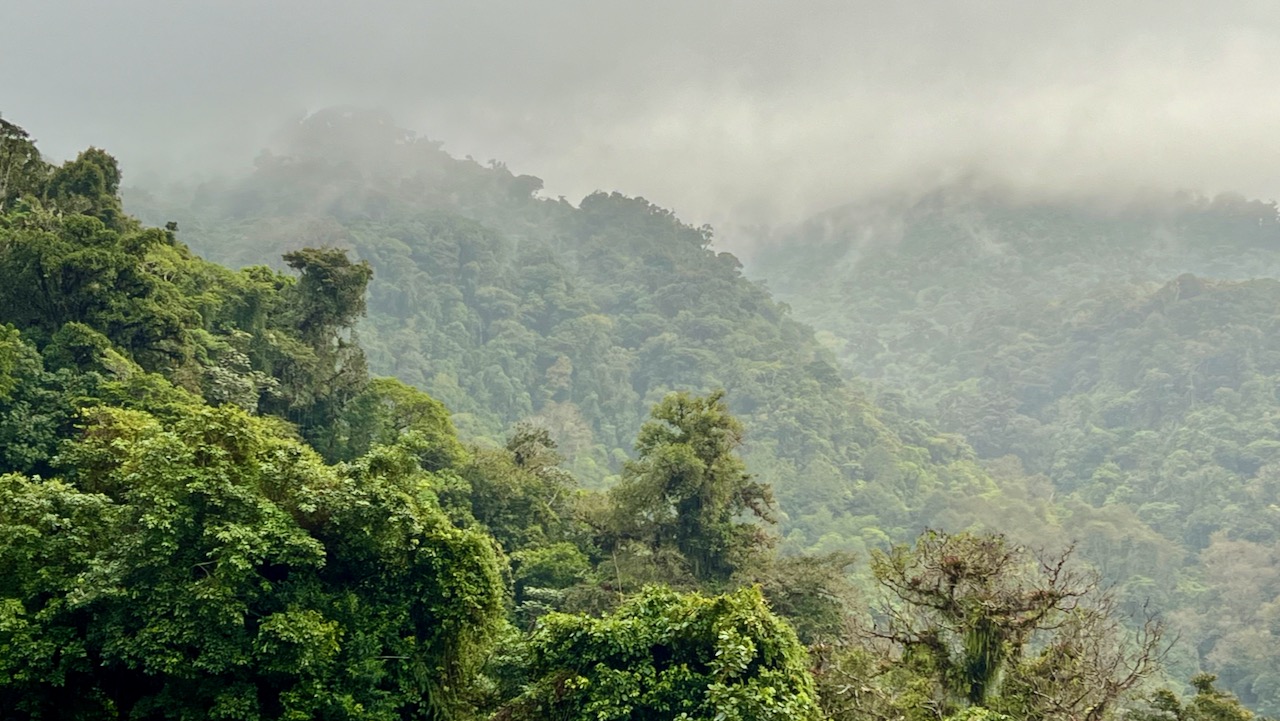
(507,306)
(1126,355)
(173,546)
(209,509)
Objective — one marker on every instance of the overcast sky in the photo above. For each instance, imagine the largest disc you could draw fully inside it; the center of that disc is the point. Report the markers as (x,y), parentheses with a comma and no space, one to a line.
(725,111)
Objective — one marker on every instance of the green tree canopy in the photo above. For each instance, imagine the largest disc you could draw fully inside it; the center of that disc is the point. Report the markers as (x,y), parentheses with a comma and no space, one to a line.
(664,655)
(219,570)
(689,491)
(22,171)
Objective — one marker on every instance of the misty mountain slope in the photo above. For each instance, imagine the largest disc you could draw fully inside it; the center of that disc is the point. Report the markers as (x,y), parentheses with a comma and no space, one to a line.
(1131,358)
(904,288)
(506,307)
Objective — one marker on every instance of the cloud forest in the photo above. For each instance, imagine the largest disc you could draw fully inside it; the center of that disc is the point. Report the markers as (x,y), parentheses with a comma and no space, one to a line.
(369,431)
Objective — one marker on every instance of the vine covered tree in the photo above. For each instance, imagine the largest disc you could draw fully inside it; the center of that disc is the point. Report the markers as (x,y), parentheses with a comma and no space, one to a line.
(665,655)
(22,170)
(976,621)
(689,491)
(327,370)
(89,185)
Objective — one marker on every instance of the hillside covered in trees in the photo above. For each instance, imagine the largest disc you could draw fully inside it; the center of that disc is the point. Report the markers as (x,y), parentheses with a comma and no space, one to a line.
(1127,356)
(510,307)
(210,508)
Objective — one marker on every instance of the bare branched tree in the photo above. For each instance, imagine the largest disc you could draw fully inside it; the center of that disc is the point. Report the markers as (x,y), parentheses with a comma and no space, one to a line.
(987,623)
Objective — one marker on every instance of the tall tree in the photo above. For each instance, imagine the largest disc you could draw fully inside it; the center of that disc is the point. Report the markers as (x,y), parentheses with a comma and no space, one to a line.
(89,185)
(329,295)
(327,370)
(22,170)
(689,491)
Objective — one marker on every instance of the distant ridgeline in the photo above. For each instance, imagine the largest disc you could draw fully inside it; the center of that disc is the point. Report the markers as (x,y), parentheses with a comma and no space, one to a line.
(209,509)
(509,307)
(1128,359)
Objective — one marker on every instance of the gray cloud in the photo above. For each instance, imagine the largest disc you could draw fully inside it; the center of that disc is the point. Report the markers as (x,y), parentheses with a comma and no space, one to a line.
(725,111)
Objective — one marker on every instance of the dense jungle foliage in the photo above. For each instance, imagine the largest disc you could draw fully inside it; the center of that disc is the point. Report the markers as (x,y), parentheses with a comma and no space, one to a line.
(209,509)
(1126,357)
(509,307)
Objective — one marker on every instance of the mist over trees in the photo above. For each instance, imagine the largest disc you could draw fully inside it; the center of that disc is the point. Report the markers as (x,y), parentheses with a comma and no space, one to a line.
(1123,355)
(603,474)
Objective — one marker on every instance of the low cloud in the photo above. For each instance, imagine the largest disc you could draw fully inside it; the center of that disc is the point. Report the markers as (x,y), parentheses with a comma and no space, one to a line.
(729,112)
